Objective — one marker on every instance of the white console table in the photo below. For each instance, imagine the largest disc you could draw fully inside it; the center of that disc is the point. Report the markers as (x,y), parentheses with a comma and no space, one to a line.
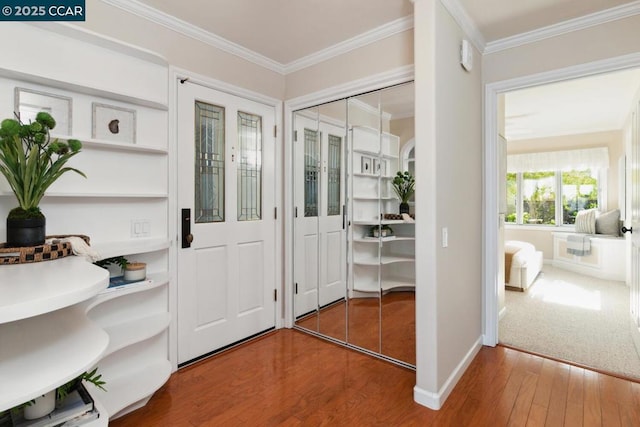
(607,259)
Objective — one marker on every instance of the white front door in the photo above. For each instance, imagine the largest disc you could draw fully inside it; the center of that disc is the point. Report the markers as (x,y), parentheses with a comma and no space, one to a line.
(226,180)
(319,236)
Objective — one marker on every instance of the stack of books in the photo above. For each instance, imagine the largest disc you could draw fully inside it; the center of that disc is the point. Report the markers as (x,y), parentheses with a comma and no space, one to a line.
(76,410)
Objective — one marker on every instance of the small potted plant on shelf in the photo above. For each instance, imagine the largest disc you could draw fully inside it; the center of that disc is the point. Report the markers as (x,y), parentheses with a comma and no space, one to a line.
(31,162)
(43,405)
(404,187)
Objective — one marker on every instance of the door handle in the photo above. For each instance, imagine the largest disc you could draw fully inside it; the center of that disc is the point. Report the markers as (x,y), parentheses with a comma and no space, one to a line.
(187,237)
(625,229)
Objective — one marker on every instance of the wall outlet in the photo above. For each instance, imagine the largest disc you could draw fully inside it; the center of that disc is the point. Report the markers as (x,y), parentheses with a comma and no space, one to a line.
(140,228)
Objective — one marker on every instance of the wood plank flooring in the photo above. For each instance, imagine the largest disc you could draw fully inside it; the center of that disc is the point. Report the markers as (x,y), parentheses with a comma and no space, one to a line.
(288,378)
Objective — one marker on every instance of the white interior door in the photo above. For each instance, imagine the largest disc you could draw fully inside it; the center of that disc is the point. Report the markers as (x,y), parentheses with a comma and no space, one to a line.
(635,225)
(226,278)
(319,237)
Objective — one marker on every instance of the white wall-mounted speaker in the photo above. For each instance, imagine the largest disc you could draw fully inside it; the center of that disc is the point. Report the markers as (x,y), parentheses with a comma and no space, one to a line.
(466,55)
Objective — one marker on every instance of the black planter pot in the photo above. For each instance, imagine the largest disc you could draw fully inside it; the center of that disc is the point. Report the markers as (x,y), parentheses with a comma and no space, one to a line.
(25,232)
(404,208)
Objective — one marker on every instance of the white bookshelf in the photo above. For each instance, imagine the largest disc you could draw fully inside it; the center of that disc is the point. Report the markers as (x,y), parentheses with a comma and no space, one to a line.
(126,182)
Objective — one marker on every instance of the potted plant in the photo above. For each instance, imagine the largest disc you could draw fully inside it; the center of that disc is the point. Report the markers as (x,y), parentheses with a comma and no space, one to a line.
(31,162)
(404,187)
(45,404)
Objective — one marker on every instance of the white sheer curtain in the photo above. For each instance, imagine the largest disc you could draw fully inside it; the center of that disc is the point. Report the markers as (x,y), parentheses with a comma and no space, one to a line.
(588,158)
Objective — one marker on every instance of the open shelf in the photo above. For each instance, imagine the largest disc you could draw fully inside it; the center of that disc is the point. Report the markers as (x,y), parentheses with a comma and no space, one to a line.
(383,260)
(128,247)
(131,332)
(383,222)
(133,386)
(384,239)
(113,145)
(40,353)
(99,195)
(36,288)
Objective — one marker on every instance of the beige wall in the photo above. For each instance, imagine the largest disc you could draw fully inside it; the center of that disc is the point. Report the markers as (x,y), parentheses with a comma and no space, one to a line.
(180,50)
(448,194)
(387,54)
(404,129)
(609,40)
(541,239)
(613,140)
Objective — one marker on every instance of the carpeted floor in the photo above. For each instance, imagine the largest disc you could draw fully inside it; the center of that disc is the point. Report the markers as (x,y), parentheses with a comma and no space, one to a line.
(573,317)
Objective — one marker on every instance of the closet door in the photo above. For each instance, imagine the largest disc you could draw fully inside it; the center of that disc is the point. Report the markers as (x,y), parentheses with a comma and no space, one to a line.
(319,227)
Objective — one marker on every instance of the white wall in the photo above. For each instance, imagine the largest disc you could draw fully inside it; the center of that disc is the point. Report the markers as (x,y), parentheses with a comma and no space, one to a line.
(448,194)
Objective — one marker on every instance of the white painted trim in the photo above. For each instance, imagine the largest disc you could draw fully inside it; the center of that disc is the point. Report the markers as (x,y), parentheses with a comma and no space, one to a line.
(79,33)
(382,32)
(576,24)
(171,22)
(490,179)
(436,400)
(172,215)
(462,18)
(225,87)
(149,13)
(377,81)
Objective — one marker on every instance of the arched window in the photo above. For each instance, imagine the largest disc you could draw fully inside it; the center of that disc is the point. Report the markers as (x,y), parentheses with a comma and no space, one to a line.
(407,157)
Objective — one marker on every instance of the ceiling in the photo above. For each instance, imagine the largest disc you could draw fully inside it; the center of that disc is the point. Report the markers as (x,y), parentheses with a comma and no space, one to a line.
(286,31)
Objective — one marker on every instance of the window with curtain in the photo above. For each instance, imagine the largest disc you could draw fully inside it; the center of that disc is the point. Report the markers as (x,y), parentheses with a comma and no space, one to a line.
(551,188)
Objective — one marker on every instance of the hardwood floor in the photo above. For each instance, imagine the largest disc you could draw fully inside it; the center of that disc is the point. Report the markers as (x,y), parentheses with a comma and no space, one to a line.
(289,378)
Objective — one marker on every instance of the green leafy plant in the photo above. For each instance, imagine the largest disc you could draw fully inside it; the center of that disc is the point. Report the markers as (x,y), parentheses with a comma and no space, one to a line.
(404,186)
(91,377)
(118,260)
(31,161)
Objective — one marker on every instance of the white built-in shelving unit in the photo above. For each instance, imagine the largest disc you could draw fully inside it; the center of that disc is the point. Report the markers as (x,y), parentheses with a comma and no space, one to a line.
(124,331)
(377,264)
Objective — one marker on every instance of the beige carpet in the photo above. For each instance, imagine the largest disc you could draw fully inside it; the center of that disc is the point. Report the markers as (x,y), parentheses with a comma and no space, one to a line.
(575,318)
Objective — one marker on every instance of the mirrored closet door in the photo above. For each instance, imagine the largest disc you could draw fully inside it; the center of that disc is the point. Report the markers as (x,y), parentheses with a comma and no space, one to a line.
(354,266)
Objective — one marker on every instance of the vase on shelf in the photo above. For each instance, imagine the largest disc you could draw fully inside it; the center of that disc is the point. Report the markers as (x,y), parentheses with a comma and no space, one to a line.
(41,406)
(404,208)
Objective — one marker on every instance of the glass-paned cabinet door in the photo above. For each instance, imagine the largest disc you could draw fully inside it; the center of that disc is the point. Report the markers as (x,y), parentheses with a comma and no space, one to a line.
(311,171)
(334,174)
(249,167)
(209,163)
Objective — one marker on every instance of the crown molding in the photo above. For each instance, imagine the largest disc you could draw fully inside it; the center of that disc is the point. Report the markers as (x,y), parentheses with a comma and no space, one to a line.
(147,12)
(608,15)
(460,15)
(386,30)
(171,22)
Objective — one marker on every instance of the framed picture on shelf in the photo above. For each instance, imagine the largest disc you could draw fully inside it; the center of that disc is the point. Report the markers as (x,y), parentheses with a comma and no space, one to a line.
(28,103)
(383,168)
(365,165)
(376,166)
(111,123)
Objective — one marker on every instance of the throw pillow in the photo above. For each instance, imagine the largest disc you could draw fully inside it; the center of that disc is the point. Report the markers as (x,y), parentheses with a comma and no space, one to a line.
(608,223)
(586,221)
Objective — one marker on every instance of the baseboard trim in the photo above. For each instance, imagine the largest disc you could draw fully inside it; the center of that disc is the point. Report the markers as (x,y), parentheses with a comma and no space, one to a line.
(436,400)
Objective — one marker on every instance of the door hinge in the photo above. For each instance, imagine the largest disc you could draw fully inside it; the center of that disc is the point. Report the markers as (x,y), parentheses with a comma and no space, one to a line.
(296,288)
(275,213)
(296,212)
(275,295)
(275,131)
(295,136)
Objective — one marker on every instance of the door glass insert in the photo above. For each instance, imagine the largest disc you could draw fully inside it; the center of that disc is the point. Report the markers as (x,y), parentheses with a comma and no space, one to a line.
(334,175)
(311,172)
(249,167)
(209,163)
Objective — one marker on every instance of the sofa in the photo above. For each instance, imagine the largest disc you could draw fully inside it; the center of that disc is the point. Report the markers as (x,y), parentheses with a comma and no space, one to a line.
(523,263)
